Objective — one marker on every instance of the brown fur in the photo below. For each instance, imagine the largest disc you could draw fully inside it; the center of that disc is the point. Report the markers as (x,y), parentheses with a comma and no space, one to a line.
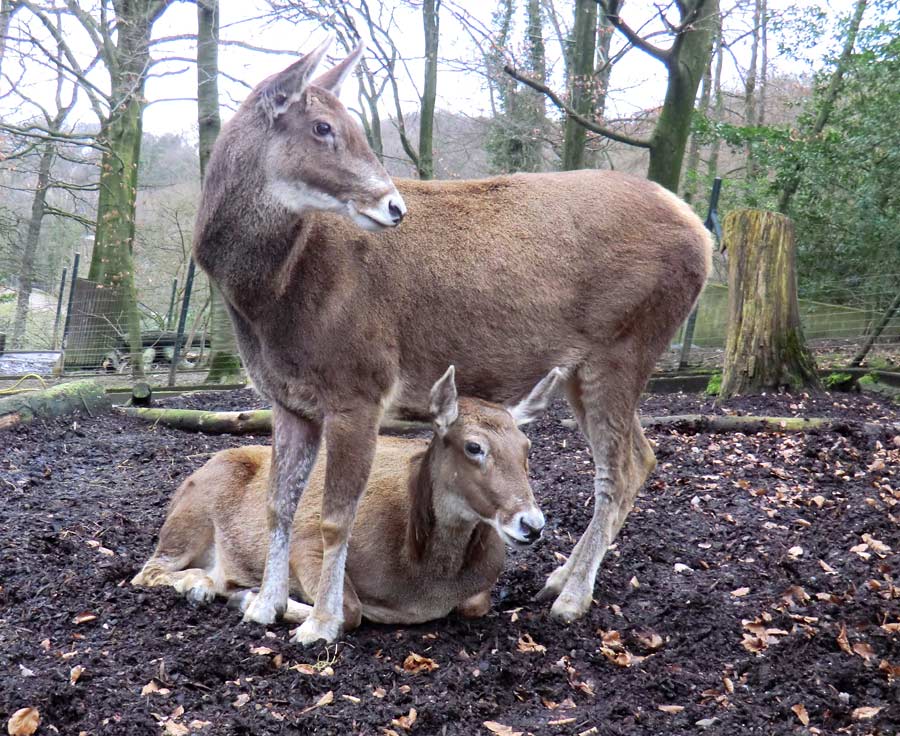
(418,548)
(592,271)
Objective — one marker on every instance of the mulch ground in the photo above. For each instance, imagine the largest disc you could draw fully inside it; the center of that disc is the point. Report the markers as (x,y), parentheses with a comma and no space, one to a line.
(755,589)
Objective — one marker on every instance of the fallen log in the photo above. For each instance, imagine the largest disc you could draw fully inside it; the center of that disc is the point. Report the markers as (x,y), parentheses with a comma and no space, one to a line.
(258,421)
(65,398)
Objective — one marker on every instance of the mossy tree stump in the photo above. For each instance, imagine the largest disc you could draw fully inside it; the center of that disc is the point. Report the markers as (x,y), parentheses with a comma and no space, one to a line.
(765,349)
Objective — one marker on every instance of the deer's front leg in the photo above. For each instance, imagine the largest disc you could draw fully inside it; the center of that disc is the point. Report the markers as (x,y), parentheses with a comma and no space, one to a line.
(350,438)
(296,444)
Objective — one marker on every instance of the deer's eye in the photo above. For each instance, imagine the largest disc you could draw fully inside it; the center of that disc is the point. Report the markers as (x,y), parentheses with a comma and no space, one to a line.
(280,98)
(474,450)
(322,129)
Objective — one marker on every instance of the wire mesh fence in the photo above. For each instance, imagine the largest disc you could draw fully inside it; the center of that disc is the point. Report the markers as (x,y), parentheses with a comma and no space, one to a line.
(81,329)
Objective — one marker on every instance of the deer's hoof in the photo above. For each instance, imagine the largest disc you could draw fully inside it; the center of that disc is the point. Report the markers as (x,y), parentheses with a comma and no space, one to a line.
(315,630)
(554,585)
(260,611)
(202,593)
(570,606)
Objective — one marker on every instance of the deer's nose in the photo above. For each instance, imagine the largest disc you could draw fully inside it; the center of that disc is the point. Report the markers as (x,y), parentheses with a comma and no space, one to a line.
(397,209)
(530,526)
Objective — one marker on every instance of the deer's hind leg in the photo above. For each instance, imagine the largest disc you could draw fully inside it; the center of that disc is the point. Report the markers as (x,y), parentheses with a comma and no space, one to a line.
(604,395)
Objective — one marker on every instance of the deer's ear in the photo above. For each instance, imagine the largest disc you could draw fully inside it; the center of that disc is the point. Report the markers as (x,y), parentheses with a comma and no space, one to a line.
(444,405)
(334,78)
(533,405)
(282,90)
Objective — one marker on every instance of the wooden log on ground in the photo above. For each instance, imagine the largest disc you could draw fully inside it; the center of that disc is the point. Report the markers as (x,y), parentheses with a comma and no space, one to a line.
(65,398)
(714,423)
(258,421)
(141,394)
(765,349)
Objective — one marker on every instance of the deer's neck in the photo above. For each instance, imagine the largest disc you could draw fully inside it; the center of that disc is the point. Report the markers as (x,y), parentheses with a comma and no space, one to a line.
(246,240)
(443,537)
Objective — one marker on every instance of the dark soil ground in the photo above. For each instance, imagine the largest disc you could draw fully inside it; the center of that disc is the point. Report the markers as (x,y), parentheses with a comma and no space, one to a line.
(755,589)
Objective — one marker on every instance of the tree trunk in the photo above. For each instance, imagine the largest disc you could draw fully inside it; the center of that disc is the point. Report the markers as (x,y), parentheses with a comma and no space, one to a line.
(224,363)
(792,179)
(764,63)
(6,11)
(692,175)
(712,164)
(581,82)
(765,349)
(26,269)
(750,101)
(430,20)
(686,64)
(112,262)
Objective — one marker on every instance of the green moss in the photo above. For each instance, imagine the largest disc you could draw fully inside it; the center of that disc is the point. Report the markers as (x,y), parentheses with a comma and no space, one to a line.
(837,380)
(715,384)
(870,379)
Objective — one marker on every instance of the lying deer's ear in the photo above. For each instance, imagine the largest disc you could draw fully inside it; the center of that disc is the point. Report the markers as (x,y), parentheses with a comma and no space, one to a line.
(533,405)
(335,77)
(444,406)
(285,88)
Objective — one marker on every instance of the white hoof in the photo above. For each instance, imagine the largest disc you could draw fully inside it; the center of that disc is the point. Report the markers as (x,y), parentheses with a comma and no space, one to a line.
(554,585)
(260,611)
(201,593)
(570,607)
(314,630)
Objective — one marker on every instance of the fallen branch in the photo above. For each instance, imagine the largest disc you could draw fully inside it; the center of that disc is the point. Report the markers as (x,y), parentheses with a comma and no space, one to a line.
(66,398)
(715,423)
(258,421)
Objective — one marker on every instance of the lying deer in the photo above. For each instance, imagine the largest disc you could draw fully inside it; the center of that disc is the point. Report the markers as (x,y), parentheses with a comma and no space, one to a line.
(429,534)
(340,315)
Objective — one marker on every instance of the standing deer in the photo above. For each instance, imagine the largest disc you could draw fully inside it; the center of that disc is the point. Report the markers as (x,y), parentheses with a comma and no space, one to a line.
(428,537)
(340,314)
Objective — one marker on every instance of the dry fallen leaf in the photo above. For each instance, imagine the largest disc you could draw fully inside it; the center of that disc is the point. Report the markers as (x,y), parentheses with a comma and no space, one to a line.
(865,713)
(842,640)
(500,729)
(416,664)
(406,722)
(827,568)
(197,724)
(241,700)
(379,692)
(175,729)
(892,672)
(892,628)
(24,722)
(649,640)
(800,711)
(670,708)
(84,618)
(796,551)
(262,651)
(740,592)
(561,722)
(75,673)
(352,698)
(527,644)
(864,650)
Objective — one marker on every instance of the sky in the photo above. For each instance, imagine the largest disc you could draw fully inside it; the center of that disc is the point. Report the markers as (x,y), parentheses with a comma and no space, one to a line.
(638,81)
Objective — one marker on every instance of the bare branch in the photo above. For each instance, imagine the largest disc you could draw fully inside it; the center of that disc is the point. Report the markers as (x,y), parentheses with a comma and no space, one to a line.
(582,121)
(611,9)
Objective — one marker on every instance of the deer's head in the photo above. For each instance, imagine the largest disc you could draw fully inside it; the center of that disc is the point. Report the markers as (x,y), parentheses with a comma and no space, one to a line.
(480,462)
(316,157)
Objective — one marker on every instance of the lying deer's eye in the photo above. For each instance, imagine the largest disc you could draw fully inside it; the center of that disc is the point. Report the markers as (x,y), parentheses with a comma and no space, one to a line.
(321,129)
(473,449)
(280,98)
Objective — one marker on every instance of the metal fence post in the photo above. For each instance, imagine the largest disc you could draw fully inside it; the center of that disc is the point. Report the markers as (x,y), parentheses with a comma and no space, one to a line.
(713,225)
(182,318)
(59,300)
(62,358)
(171,313)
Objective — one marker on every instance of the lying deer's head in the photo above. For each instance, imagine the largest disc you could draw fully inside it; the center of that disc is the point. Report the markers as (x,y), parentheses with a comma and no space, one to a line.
(480,462)
(316,156)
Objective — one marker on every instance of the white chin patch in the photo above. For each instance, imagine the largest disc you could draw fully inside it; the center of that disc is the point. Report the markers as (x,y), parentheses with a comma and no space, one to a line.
(299,198)
(365,220)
